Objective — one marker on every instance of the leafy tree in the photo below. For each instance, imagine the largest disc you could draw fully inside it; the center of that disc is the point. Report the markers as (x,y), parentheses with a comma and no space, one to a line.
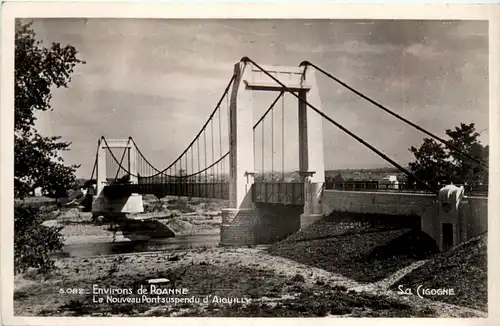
(37,70)
(436,163)
(337,178)
(37,161)
(182,173)
(465,169)
(33,242)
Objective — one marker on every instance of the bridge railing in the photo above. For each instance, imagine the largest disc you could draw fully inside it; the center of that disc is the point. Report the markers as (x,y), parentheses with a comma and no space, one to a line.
(287,193)
(470,189)
(202,190)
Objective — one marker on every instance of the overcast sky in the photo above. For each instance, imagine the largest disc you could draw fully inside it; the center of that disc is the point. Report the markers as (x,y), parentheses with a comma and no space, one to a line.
(158,80)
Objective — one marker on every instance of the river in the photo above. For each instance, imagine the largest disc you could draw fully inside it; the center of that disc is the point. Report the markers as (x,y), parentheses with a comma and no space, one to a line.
(123,247)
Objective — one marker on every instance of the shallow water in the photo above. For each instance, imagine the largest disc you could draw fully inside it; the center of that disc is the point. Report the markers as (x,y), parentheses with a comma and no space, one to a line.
(123,247)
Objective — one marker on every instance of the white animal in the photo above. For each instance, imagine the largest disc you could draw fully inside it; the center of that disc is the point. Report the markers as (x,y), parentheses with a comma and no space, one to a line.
(450,196)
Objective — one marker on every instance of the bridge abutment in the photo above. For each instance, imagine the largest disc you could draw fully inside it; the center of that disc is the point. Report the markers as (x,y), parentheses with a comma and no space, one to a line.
(313,191)
(110,207)
(263,224)
(466,218)
(238,226)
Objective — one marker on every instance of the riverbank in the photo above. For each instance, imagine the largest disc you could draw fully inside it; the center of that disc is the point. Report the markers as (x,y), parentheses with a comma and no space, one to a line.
(266,286)
(184,217)
(337,267)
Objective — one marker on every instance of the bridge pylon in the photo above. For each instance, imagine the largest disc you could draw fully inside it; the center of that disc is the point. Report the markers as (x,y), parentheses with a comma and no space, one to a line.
(246,222)
(311,158)
(129,203)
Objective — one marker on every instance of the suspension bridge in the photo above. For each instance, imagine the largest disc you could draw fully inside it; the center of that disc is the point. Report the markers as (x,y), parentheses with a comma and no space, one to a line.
(233,157)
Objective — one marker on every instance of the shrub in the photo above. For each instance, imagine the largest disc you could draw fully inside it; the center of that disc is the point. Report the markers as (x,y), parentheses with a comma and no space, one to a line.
(33,242)
(298,278)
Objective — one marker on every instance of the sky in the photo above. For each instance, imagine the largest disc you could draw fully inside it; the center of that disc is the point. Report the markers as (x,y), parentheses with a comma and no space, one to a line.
(158,80)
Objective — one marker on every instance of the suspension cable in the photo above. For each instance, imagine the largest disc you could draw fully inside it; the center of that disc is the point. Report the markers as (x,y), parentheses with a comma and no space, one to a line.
(228,110)
(96,160)
(263,145)
(283,138)
(261,120)
(120,164)
(380,106)
(143,157)
(272,144)
(192,160)
(203,128)
(213,148)
(186,158)
(359,139)
(205,155)
(254,148)
(269,109)
(226,90)
(210,166)
(199,166)
(220,145)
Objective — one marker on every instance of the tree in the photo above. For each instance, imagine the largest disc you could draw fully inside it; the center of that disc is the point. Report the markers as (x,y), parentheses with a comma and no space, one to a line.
(37,161)
(437,163)
(337,178)
(466,170)
(33,242)
(181,174)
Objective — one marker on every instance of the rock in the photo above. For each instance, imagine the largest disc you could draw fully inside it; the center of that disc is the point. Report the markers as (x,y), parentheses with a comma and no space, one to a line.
(51,223)
(158,281)
(99,220)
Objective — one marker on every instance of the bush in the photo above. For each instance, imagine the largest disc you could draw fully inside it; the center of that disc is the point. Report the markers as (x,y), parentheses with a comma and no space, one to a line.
(298,278)
(33,242)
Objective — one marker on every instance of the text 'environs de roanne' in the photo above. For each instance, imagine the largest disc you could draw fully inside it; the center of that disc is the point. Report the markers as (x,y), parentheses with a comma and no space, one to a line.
(152,289)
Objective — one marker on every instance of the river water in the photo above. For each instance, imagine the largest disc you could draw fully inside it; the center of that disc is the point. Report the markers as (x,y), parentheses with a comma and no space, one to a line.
(123,247)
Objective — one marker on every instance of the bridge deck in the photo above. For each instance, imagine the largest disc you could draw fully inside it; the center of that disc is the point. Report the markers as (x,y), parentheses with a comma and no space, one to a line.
(201,190)
(286,193)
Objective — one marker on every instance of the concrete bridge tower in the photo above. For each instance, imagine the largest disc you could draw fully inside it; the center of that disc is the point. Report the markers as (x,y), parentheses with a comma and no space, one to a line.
(103,205)
(245,222)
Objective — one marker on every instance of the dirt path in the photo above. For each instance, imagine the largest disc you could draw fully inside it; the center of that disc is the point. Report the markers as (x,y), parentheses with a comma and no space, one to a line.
(384,284)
